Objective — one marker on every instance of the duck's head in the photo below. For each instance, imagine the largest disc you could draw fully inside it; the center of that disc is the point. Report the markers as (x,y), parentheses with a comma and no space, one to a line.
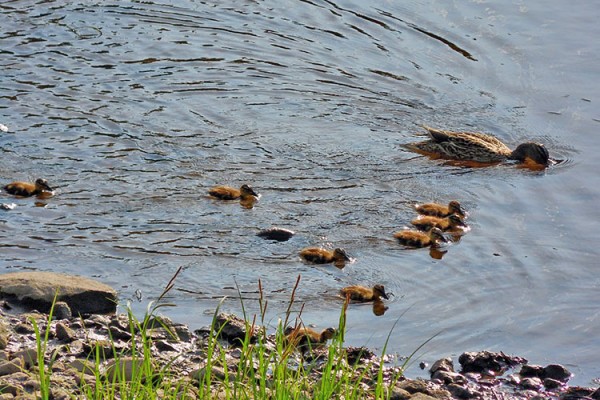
(455,220)
(246,190)
(42,185)
(455,208)
(328,333)
(379,290)
(535,152)
(436,235)
(340,255)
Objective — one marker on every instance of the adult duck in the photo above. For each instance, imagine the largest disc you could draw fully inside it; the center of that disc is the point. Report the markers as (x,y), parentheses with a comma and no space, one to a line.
(478,147)
(440,210)
(420,239)
(28,189)
(364,294)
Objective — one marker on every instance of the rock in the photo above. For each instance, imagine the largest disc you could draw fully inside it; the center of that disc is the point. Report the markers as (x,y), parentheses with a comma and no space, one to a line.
(448,377)
(85,366)
(557,372)
(24,328)
(487,360)
(216,374)
(10,367)
(359,355)
(38,289)
(232,328)
(62,310)
(127,369)
(29,357)
(274,233)
(550,383)
(531,371)
(64,333)
(531,384)
(461,392)
(444,364)
(400,394)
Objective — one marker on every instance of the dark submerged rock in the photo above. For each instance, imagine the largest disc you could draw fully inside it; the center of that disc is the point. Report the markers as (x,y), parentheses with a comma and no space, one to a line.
(274,233)
(484,361)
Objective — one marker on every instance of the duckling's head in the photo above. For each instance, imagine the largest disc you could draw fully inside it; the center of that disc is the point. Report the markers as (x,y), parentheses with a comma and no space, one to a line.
(340,255)
(455,220)
(436,235)
(455,208)
(536,152)
(328,333)
(42,185)
(246,190)
(379,291)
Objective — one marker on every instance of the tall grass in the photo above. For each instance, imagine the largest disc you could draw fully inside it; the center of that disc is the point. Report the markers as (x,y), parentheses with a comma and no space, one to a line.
(265,366)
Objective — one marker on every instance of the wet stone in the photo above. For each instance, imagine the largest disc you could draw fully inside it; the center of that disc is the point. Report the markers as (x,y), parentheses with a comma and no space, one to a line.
(277,234)
(531,384)
(557,372)
(232,328)
(531,371)
(62,310)
(444,364)
(550,383)
(484,361)
(64,333)
(24,328)
(461,392)
(448,377)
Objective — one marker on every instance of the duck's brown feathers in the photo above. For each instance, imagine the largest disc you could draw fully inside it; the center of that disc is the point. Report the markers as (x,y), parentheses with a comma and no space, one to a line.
(425,223)
(318,255)
(364,294)
(440,210)
(245,192)
(305,338)
(420,239)
(27,189)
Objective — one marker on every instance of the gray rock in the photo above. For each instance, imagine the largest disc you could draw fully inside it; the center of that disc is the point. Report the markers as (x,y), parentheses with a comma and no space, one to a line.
(62,310)
(29,356)
(531,384)
(10,367)
(64,333)
(37,289)
(444,364)
(557,372)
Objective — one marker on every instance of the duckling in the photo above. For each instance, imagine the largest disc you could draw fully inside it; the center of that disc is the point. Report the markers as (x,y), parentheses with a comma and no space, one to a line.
(379,308)
(245,192)
(27,189)
(274,233)
(318,255)
(363,294)
(439,210)
(450,223)
(478,147)
(420,239)
(305,338)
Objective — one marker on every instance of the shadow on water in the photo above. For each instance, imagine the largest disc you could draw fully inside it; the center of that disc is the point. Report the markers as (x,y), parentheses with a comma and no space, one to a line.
(135,109)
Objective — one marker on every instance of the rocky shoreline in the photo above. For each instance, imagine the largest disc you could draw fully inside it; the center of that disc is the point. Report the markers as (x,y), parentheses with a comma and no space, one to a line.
(80,343)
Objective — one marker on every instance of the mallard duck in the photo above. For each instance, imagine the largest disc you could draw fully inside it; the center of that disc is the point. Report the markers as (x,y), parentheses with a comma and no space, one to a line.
(420,239)
(364,294)
(318,255)
(274,233)
(451,223)
(27,189)
(305,338)
(440,210)
(478,147)
(245,192)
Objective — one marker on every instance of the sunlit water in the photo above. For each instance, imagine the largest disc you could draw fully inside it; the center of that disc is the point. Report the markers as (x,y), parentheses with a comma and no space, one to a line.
(135,109)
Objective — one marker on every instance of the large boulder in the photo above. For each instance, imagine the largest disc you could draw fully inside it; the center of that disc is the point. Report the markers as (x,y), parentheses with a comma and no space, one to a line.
(38,289)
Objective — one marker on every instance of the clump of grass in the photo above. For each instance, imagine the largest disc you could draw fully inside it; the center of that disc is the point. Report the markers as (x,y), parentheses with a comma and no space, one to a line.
(264,367)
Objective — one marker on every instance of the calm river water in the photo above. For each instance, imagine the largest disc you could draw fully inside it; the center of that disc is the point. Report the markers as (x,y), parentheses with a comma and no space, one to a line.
(133,109)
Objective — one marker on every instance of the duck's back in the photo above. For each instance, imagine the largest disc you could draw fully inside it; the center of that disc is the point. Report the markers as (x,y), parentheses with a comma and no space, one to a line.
(20,188)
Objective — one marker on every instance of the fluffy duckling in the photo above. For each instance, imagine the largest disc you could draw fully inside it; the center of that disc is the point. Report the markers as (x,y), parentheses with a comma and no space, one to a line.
(478,147)
(440,210)
(420,239)
(450,223)
(364,294)
(274,233)
(379,308)
(245,192)
(27,189)
(317,255)
(305,338)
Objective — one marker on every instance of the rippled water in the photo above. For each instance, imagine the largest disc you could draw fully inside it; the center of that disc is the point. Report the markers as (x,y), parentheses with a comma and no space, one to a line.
(135,109)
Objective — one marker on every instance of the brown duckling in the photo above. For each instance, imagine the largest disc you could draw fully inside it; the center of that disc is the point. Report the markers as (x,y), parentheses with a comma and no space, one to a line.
(245,192)
(440,210)
(379,308)
(450,223)
(420,239)
(317,255)
(305,338)
(27,189)
(364,294)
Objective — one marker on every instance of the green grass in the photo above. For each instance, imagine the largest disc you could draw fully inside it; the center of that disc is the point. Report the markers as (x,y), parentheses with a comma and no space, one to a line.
(267,367)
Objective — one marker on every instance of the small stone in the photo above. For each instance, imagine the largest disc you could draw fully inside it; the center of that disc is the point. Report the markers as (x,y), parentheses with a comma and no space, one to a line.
(448,377)
(62,310)
(10,367)
(29,356)
(24,328)
(531,384)
(64,333)
(162,345)
(274,233)
(85,366)
(460,392)
(216,374)
(531,371)
(557,372)
(400,394)
(550,383)
(444,364)
(126,368)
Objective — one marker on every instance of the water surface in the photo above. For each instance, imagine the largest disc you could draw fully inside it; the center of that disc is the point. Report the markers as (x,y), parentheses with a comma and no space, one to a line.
(135,109)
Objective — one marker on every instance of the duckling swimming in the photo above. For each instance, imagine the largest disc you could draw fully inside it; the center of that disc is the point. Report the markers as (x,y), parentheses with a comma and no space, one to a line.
(364,294)
(450,223)
(305,338)
(420,239)
(439,210)
(317,255)
(27,189)
(228,193)
(478,147)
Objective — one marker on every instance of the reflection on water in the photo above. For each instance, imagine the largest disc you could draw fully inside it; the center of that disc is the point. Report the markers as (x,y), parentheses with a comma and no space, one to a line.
(135,109)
